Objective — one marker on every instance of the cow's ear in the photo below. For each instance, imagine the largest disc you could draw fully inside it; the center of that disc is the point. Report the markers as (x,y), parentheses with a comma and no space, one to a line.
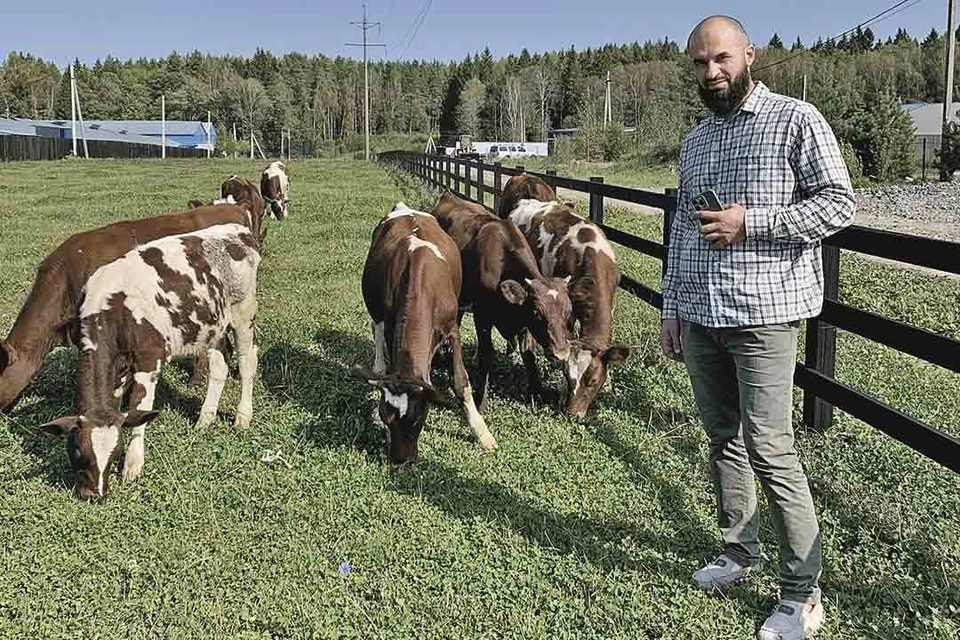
(137,417)
(513,292)
(61,426)
(8,355)
(616,354)
(194,204)
(362,373)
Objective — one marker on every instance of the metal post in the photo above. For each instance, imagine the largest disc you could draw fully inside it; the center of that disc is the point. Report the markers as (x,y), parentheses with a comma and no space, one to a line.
(668,215)
(804,98)
(481,187)
(497,186)
(73,109)
(821,345)
(209,135)
(596,203)
(163,126)
(551,174)
(456,176)
(948,78)
(923,161)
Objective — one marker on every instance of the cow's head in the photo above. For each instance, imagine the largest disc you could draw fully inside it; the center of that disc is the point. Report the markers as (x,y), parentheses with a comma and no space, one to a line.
(545,305)
(587,367)
(274,183)
(93,442)
(403,410)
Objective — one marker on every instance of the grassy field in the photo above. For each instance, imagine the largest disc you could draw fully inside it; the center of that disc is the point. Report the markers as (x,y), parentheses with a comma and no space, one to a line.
(584,529)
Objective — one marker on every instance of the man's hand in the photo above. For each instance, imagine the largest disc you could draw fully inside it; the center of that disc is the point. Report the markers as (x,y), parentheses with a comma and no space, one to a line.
(721,228)
(670,339)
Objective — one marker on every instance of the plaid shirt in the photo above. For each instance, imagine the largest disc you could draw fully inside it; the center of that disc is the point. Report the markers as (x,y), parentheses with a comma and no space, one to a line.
(779,159)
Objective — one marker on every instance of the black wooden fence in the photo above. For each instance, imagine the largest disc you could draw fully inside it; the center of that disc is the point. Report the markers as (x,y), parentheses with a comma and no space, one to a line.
(39,148)
(816,374)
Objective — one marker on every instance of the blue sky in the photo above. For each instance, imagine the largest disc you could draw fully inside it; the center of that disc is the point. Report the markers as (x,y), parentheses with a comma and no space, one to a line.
(59,30)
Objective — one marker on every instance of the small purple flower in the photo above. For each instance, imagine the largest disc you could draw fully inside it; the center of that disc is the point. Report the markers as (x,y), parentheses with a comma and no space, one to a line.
(345,568)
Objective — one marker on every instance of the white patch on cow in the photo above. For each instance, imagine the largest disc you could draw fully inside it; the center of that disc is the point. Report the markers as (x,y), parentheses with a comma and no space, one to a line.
(399,402)
(228,200)
(403,211)
(277,170)
(548,260)
(141,284)
(417,243)
(87,344)
(599,244)
(104,440)
(553,293)
(577,365)
(526,211)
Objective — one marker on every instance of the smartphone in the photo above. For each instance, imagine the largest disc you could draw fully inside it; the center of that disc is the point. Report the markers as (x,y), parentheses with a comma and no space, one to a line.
(707,201)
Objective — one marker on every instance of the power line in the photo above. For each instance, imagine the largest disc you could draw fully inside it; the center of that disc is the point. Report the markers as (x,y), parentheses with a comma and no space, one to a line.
(417,23)
(880,17)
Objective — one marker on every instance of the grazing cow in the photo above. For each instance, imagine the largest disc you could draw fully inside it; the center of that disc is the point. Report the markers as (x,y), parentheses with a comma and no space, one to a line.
(49,316)
(567,245)
(505,289)
(244,193)
(411,283)
(171,297)
(273,187)
(524,187)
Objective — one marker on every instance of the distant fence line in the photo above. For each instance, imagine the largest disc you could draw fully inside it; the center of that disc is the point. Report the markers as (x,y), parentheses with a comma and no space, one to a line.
(816,375)
(13,148)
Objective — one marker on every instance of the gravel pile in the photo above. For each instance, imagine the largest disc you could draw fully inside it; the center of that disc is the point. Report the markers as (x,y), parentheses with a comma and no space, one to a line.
(930,209)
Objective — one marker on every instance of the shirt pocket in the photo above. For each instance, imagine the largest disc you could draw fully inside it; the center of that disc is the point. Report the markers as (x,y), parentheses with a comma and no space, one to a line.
(761,180)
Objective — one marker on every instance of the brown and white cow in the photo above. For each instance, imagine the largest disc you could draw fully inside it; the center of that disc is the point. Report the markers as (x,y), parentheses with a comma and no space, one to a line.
(411,285)
(274,183)
(244,193)
(171,297)
(568,245)
(523,187)
(49,315)
(505,289)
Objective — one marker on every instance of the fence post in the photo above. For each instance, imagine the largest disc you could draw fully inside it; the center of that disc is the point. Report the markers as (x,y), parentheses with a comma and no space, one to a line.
(923,174)
(668,214)
(481,185)
(821,345)
(551,174)
(456,176)
(596,203)
(497,186)
(520,168)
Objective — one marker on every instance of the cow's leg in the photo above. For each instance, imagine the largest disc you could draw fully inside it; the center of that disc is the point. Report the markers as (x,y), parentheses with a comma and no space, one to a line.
(527,346)
(485,355)
(379,346)
(142,396)
(461,385)
(216,379)
(243,328)
(201,368)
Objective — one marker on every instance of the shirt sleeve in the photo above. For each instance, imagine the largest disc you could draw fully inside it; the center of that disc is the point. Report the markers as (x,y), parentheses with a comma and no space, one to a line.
(671,278)
(827,205)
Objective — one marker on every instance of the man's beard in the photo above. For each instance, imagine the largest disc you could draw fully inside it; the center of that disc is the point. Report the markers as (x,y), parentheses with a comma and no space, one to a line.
(725,101)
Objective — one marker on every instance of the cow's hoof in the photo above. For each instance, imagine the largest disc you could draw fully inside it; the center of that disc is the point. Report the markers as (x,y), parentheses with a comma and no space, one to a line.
(488,442)
(242,420)
(206,419)
(133,463)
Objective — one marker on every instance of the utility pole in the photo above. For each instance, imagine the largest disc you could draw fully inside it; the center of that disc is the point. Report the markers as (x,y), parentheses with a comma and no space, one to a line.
(948,78)
(607,105)
(804,98)
(73,109)
(366,26)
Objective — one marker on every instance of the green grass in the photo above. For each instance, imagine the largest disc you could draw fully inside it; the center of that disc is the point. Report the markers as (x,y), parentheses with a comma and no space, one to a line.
(572,529)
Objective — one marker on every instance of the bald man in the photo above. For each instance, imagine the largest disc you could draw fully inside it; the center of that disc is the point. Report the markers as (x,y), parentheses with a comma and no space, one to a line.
(738,283)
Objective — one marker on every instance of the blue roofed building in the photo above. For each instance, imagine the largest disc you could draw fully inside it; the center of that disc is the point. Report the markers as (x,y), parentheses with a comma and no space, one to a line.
(180,133)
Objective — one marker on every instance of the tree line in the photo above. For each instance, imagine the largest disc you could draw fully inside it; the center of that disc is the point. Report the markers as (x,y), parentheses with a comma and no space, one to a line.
(858,82)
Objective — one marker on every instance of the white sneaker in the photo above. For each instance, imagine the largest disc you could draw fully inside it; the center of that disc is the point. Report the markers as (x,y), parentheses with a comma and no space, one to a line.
(721,571)
(792,621)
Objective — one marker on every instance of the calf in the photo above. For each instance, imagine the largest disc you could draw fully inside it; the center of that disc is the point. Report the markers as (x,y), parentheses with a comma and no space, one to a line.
(567,245)
(49,315)
(244,193)
(273,187)
(505,289)
(171,297)
(523,187)
(411,284)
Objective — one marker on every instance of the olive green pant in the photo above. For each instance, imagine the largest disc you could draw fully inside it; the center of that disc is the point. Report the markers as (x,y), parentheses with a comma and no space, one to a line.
(743,384)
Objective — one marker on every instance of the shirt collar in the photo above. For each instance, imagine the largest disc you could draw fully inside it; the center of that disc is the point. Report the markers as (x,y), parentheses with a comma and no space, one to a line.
(751,104)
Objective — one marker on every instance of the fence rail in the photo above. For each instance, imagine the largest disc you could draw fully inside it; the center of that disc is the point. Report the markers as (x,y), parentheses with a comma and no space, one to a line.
(815,376)
(14,148)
